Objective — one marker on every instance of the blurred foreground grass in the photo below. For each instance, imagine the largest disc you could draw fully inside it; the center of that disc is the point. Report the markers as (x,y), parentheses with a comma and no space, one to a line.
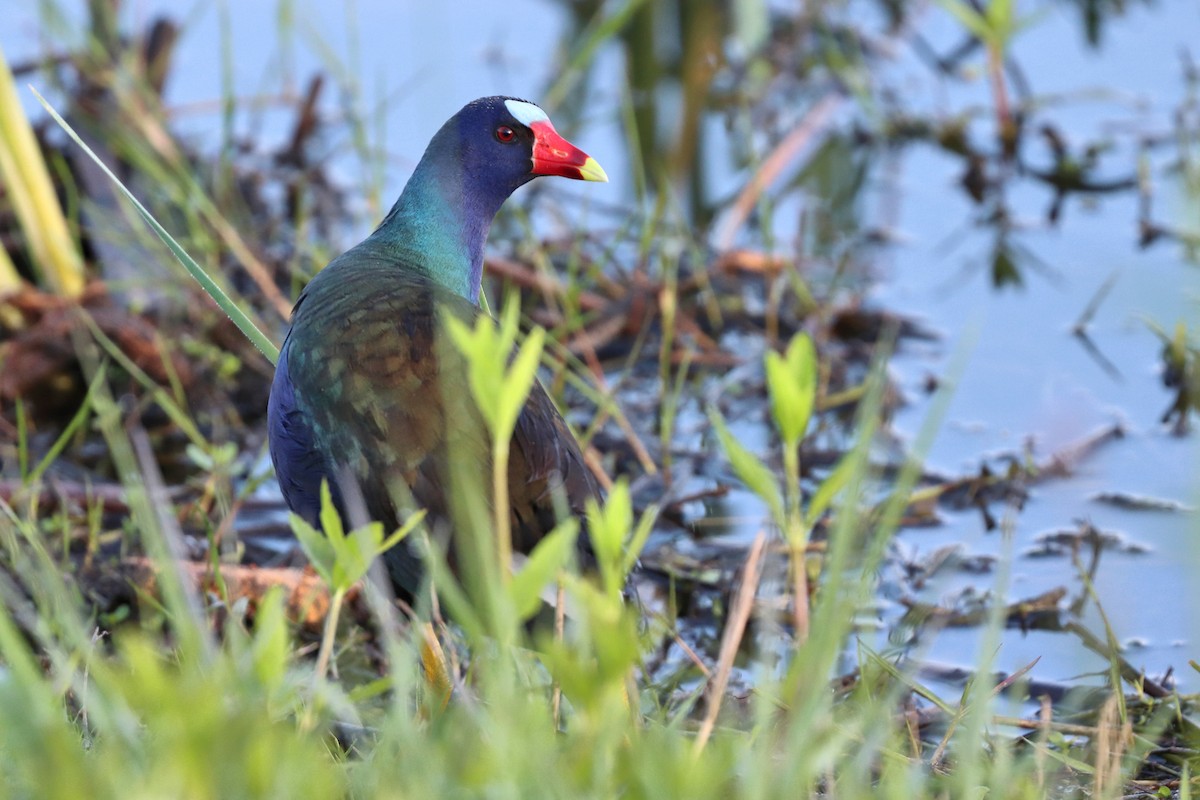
(197,700)
(208,696)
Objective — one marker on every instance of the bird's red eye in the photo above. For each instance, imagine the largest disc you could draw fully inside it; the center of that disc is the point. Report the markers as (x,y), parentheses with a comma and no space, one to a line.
(505,134)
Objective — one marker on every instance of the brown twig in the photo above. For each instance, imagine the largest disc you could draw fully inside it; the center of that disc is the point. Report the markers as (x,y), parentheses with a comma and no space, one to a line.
(526,277)
(307,597)
(731,639)
(783,154)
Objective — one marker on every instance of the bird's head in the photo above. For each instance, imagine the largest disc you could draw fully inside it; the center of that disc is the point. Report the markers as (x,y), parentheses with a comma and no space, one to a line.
(504,142)
(473,163)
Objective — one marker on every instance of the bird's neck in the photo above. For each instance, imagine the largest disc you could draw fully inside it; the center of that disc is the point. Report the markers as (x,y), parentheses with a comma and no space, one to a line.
(438,227)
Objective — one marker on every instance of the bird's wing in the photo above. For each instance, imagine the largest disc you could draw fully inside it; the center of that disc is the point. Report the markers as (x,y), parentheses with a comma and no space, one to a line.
(386,396)
(547,474)
(299,465)
(367,374)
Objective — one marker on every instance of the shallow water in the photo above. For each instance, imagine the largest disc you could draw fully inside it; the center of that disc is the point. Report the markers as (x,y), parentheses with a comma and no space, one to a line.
(1027,377)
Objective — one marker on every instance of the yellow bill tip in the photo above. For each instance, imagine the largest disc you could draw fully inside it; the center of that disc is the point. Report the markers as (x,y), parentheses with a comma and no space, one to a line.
(592,171)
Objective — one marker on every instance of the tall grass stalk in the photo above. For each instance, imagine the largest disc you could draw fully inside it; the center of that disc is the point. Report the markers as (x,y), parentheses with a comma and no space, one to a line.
(500,387)
(605,25)
(239,317)
(28,188)
(10,279)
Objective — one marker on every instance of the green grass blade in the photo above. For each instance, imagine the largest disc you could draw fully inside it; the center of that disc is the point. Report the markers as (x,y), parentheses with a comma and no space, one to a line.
(60,444)
(239,317)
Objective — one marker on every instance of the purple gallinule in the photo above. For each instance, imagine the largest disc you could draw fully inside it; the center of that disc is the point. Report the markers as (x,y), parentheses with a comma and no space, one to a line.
(367,392)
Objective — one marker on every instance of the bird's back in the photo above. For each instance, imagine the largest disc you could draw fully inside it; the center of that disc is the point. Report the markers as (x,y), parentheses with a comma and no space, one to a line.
(367,389)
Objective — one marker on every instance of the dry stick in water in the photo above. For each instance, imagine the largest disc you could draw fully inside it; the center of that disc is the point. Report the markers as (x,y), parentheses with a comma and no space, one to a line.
(1112,740)
(695,659)
(799,555)
(731,639)
(813,123)
(936,760)
(306,598)
(634,441)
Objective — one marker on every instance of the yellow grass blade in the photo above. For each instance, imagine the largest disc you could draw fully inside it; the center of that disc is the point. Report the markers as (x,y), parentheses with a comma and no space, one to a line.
(29,189)
(10,281)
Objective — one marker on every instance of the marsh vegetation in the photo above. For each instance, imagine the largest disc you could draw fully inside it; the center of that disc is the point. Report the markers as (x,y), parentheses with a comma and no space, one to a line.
(883,345)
